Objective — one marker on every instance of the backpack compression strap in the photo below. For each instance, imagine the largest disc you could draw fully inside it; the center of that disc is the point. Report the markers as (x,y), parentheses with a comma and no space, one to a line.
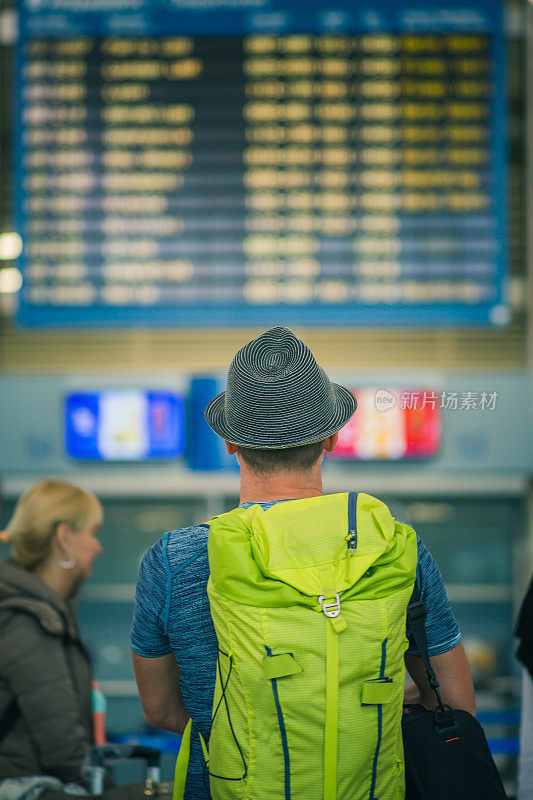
(182,763)
(336,624)
(334,627)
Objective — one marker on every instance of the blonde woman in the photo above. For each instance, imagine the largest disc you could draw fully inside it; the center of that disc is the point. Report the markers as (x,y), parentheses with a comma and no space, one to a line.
(45,680)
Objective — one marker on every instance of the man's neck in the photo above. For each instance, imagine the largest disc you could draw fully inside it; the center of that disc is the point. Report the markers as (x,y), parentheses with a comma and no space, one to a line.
(286,485)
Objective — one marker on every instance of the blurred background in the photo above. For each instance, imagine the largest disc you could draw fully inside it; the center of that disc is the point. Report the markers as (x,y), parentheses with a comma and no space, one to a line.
(175,177)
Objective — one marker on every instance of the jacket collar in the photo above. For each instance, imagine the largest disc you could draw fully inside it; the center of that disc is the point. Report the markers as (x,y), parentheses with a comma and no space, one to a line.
(22,589)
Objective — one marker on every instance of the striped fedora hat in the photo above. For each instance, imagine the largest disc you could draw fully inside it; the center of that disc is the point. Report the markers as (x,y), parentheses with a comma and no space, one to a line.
(277,396)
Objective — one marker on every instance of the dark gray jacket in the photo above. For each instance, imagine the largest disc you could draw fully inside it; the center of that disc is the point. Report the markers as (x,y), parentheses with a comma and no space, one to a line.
(45,682)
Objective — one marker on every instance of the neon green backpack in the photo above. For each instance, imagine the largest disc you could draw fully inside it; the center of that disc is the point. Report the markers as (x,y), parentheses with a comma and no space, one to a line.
(309,600)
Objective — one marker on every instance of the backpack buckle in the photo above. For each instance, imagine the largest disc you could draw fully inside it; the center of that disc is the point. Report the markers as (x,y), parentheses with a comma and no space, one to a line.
(330,609)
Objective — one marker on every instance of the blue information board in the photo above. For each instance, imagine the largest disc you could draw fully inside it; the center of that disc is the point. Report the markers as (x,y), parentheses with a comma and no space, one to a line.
(124,425)
(260,162)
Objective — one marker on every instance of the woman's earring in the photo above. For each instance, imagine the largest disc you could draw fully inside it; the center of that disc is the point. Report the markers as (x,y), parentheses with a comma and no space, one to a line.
(67,563)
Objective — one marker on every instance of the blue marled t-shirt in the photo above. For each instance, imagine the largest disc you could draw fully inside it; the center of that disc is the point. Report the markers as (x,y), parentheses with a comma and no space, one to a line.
(172,616)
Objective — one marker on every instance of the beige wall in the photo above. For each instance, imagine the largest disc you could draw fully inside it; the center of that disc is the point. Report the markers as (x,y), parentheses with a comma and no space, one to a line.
(192,350)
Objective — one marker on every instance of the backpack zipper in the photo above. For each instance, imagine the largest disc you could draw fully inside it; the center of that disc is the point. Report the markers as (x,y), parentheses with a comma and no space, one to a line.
(351,537)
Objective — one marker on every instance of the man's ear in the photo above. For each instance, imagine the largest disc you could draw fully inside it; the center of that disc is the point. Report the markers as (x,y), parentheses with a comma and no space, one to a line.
(231,449)
(331,442)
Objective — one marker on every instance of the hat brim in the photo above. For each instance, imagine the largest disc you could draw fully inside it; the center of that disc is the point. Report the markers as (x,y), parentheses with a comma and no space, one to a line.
(345,406)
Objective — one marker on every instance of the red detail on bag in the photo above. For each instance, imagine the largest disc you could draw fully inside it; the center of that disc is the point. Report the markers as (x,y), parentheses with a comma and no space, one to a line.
(456,739)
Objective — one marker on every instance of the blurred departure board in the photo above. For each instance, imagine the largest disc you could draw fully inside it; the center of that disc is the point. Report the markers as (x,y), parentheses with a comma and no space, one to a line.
(186,163)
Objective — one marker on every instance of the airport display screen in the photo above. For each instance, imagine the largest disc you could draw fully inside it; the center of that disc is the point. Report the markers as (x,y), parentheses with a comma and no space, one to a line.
(393,424)
(251,162)
(124,425)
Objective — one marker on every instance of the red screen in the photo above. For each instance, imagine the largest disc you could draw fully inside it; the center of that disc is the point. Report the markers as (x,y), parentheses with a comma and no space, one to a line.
(392,424)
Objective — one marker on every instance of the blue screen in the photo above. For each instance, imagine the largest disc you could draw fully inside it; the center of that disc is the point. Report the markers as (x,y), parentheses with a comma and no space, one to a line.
(252,162)
(124,425)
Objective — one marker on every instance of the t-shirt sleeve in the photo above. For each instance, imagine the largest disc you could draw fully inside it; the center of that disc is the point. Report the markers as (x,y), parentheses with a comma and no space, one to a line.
(442,630)
(148,637)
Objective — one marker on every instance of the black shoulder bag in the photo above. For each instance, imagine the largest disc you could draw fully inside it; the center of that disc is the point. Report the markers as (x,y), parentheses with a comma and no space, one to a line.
(447,756)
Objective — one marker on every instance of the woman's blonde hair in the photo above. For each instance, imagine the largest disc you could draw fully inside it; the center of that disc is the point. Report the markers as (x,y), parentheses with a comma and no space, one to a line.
(38,513)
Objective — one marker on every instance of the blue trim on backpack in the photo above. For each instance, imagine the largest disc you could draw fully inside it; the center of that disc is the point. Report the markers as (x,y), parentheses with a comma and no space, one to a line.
(380,723)
(283,732)
(383,657)
(352,515)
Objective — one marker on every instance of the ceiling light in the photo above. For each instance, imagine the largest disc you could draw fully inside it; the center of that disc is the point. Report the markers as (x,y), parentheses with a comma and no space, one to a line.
(10,280)
(10,246)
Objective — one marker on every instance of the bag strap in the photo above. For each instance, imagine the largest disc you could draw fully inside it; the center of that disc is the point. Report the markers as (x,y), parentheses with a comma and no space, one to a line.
(416,617)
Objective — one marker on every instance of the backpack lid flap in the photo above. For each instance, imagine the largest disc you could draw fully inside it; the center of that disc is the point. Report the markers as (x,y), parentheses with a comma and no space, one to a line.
(285,549)
(297,541)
